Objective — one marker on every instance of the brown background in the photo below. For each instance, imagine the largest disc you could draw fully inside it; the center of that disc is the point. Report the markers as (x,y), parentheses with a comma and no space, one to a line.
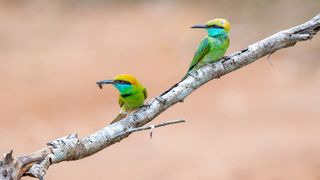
(260,122)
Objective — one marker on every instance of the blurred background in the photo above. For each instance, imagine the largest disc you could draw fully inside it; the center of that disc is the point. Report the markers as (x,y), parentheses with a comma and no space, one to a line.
(260,122)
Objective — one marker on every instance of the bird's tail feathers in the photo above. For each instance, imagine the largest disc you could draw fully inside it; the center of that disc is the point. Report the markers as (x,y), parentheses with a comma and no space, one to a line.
(175,85)
(119,117)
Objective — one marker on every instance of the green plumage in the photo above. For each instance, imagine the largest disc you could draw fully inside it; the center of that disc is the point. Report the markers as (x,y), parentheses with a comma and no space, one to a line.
(213,46)
(133,98)
(210,50)
(132,94)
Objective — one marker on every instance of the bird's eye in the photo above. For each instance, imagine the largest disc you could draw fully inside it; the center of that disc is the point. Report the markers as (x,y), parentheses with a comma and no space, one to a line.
(122,82)
(216,26)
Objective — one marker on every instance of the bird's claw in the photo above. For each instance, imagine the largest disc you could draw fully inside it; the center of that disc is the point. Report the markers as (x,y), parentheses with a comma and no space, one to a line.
(225,58)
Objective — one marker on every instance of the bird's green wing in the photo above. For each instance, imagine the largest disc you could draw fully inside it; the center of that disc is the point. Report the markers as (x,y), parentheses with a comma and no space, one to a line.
(145,93)
(121,103)
(203,49)
(122,113)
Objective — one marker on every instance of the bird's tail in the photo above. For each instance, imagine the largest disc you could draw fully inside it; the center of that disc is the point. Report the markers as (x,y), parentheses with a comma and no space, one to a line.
(119,117)
(175,85)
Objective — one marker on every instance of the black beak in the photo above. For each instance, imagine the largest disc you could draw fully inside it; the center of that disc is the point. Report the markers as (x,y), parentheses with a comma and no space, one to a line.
(200,26)
(102,82)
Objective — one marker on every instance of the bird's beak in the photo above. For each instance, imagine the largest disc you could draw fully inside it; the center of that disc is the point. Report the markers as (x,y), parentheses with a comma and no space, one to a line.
(102,82)
(199,26)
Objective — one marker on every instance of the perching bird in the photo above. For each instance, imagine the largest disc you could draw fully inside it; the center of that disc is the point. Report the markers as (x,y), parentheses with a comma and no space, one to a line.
(212,47)
(132,93)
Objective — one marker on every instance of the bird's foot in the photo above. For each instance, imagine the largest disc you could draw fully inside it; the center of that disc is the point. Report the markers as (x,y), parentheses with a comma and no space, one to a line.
(225,58)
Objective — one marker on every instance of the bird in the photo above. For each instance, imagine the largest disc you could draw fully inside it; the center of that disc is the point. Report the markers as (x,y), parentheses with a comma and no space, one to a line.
(212,47)
(132,94)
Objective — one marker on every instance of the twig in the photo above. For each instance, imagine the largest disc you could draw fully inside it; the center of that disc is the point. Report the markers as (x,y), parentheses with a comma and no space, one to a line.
(156,126)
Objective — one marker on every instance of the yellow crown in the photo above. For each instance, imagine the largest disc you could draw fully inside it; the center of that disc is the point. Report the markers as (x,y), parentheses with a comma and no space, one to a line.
(127,77)
(219,22)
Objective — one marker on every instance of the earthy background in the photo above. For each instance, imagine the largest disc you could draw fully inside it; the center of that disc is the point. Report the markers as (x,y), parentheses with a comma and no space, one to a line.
(260,122)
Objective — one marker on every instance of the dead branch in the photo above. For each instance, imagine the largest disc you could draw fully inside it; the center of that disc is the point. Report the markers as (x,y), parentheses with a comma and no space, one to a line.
(73,148)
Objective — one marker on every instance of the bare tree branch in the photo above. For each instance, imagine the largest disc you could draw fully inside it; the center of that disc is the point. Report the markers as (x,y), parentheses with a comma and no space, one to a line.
(73,148)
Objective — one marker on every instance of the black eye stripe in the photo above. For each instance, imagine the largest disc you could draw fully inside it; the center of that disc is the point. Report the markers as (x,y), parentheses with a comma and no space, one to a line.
(216,26)
(122,82)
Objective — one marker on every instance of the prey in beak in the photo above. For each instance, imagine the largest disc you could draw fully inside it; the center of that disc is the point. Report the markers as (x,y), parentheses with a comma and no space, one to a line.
(102,82)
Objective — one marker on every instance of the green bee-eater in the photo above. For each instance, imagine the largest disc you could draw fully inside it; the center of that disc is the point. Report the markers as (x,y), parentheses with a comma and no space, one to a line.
(214,45)
(132,93)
